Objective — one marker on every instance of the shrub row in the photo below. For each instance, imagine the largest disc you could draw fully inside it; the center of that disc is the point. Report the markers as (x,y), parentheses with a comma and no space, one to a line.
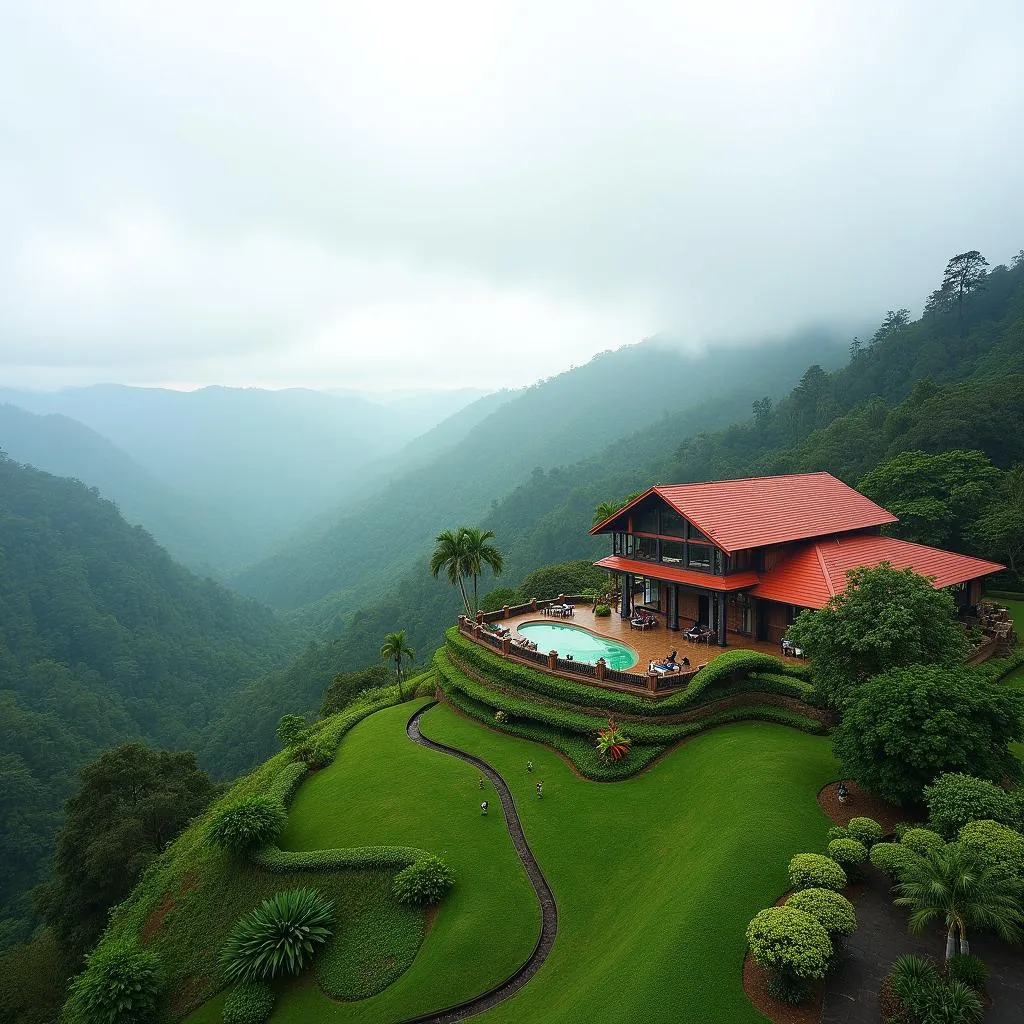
(588,725)
(719,673)
(995,669)
(579,748)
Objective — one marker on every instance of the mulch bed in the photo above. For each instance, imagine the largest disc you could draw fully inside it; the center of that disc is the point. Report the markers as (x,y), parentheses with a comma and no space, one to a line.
(858,804)
(863,805)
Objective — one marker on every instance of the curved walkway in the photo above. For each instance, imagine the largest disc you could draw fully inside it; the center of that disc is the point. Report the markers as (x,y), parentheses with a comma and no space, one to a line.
(549,912)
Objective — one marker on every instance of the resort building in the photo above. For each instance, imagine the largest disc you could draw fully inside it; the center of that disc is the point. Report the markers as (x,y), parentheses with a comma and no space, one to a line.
(742,558)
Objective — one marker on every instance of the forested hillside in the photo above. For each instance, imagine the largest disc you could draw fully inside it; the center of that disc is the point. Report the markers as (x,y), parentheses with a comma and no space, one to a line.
(550,424)
(65,447)
(932,384)
(103,638)
(254,464)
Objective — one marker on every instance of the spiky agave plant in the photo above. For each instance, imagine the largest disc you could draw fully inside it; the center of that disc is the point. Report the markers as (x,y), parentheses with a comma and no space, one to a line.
(279,937)
(612,742)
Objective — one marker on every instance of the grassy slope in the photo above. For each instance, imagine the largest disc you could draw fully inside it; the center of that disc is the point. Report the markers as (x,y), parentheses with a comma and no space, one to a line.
(384,789)
(657,877)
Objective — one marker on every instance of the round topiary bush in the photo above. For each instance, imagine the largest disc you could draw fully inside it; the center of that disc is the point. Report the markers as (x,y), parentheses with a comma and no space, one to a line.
(836,832)
(279,937)
(833,911)
(813,871)
(866,830)
(971,970)
(423,883)
(251,1002)
(849,854)
(922,841)
(1000,847)
(602,611)
(120,985)
(792,946)
(892,858)
(954,799)
(247,824)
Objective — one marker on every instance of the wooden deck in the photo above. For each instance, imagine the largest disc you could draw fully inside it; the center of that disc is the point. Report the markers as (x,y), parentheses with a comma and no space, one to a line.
(650,644)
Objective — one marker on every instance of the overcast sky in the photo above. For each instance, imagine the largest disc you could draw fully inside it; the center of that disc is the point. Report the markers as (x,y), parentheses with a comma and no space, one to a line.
(378,194)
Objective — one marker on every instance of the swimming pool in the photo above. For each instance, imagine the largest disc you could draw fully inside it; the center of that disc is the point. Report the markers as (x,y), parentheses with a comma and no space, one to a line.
(580,643)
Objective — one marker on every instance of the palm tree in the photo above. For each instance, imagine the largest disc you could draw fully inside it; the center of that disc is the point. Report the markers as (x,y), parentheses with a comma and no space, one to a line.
(395,648)
(480,553)
(604,510)
(450,555)
(952,885)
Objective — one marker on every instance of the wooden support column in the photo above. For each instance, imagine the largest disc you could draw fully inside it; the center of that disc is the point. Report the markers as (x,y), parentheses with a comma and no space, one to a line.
(672,607)
(626,595)
(720,598)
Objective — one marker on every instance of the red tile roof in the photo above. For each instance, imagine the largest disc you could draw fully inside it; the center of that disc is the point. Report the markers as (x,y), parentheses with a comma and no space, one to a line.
(757,511)
(659,571)
(811,575)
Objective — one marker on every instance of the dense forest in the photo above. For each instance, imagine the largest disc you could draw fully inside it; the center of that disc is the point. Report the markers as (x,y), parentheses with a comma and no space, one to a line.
(354,560)
(950,380)
(103,638)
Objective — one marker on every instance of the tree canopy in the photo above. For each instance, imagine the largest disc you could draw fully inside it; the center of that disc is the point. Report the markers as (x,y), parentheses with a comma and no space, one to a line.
(130,803)
(903,728)
(935,496)
(884,619)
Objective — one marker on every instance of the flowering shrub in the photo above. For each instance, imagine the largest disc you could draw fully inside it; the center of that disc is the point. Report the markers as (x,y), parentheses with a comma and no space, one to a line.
(501,717)
(612,742)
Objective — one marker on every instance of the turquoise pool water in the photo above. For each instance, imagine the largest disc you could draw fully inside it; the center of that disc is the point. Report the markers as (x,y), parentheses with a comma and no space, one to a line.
(580,643)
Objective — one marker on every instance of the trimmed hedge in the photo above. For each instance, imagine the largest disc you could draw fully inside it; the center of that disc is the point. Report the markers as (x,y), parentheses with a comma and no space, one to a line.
(1000,847)
(922,841)
(833,911)
(246,824)
(865,830)
(720,673)
(814,871)
(892,858)
(582,752)
(582,724)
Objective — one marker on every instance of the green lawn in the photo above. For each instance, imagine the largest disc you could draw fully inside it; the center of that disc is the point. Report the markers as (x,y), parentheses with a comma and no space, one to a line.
(657,877)
(384,789)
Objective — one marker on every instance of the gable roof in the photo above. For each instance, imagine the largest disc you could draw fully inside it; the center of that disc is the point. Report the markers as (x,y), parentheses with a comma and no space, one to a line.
(817,571)
(757,511)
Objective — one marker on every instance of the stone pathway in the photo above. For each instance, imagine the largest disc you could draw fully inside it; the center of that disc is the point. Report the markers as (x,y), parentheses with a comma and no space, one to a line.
(549,912)
(851,992)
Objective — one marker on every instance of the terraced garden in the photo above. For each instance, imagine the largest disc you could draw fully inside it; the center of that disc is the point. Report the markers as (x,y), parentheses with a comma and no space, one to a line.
(655,877)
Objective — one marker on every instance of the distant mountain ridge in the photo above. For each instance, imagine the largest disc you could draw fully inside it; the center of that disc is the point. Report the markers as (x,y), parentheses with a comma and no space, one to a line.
(552,423)
(249,465)
(62,446)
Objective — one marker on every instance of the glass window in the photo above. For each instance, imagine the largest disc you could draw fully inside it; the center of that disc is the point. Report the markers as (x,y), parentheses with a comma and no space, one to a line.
(673,551)
(699,557)
(672,523)
(651,592)
(646,520)
(695,534)
(646,547)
